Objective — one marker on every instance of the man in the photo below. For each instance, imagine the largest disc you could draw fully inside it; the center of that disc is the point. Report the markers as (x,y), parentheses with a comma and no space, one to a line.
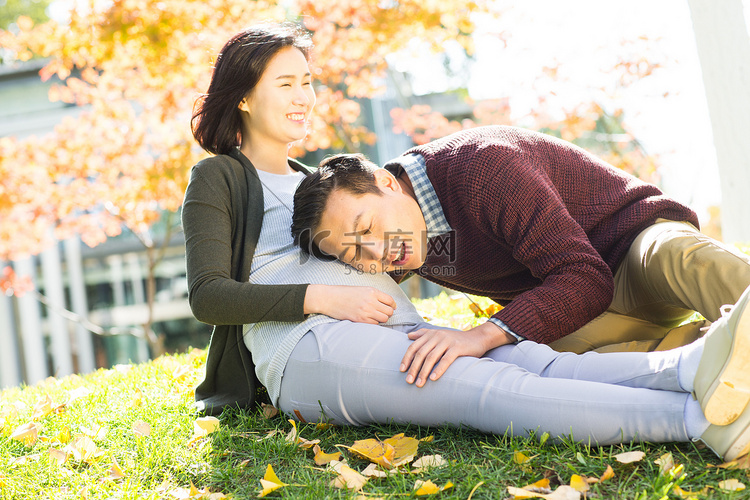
(537,224)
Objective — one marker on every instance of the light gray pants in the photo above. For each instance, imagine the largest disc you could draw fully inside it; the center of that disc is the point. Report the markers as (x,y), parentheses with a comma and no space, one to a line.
(348,374)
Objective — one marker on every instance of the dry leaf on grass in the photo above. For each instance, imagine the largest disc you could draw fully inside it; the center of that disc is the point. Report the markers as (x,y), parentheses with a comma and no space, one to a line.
(270,482)
(322,458)
(422,488)
(429,461)
(347,477)
(561,493)
(202,427)
(393,452)
(59,456)
(141,428)
(84,449)
(731,485)
(630,457)
(28,434)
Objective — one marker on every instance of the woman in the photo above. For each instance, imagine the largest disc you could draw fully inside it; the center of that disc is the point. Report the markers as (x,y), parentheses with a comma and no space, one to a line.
(319,349)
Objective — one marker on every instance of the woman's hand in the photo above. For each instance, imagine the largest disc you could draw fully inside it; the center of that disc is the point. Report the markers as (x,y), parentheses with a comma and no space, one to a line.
(361,304)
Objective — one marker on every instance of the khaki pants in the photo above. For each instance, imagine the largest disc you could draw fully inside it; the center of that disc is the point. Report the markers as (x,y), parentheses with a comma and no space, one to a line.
(670,272)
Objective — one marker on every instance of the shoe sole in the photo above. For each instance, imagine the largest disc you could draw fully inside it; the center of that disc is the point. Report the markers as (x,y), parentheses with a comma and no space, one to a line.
(730,392)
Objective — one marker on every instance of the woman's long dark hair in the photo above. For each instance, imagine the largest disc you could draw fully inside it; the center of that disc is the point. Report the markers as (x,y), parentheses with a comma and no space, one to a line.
(216,122)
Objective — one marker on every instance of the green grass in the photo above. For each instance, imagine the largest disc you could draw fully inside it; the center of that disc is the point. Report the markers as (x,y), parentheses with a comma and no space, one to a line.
(232,460)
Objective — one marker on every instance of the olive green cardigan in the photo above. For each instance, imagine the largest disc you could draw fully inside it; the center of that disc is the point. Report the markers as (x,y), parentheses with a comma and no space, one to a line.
(221,217)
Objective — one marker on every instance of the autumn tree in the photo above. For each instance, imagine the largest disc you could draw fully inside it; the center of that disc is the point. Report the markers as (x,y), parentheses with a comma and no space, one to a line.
(136,67)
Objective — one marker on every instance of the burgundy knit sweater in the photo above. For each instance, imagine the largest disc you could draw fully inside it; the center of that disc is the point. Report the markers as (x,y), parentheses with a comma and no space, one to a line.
(540,225)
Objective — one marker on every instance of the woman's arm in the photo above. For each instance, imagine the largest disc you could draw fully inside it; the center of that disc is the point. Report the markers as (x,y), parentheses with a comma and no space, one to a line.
(210,226)
(217,298)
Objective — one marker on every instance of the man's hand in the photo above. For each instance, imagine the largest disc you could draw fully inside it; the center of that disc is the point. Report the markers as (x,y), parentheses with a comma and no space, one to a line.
(442,347)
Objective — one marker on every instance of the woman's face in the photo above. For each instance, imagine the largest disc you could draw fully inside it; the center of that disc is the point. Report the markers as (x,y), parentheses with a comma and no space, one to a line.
(279,106)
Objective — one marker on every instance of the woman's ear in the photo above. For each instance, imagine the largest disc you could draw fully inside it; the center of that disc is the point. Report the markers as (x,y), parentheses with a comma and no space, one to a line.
(244,105)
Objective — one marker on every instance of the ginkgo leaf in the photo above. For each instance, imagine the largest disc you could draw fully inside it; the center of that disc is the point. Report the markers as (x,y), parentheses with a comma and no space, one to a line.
(84,449)
(42,408)
(115,472)
(731,485)
(561,493)
(630,456)
(608,474)
(322,458)
(98,432)
(578,483)
(58,456)
(690,494)
(348,478)
(405,448)
(202,427)
(270,482)
(520,458)
(141,428)
(28,434)
(665,463)
(422,488)
(429,461)
(137,399)
(542,484)
(375,451)
(373,470)
(427,439)
(269,411)
(63,436)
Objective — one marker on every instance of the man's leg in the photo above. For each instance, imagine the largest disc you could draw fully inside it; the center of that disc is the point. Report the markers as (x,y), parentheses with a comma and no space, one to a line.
(672,270)
(350,374)
(614,332)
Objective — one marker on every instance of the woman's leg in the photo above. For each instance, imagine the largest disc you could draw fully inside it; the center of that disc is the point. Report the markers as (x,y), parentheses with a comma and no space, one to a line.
(349,374)
(653,370)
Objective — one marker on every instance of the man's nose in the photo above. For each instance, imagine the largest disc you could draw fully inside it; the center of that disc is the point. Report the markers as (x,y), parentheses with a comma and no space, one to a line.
(374,250)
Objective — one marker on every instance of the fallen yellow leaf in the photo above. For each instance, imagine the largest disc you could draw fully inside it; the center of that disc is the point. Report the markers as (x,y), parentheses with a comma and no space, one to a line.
(373,470)
(731,485)
(28,434)
(630,456)
(348,478)
(561,493)
(202,427)
(270,482)
(375,451)
(429,461)
(427,439)
(84,449)
(608,474)
(405,448)
(42,408)
(141,428)
(520,458)
(690,494)
(578,483)
(115,472)
(59,456)
(63,436)
(542,484)
(322,458)
(665,463)
(423,488)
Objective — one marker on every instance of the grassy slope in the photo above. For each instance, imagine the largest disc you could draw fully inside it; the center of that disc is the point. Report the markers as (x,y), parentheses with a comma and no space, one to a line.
(107,404)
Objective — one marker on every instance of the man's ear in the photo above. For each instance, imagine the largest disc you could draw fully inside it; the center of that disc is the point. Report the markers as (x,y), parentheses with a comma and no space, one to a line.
(386,180)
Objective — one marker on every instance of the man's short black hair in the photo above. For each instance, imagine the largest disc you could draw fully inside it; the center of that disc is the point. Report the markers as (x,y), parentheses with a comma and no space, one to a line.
(351,172)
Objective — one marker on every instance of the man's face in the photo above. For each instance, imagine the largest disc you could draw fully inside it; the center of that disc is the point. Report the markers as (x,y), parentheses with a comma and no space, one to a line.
(374,233)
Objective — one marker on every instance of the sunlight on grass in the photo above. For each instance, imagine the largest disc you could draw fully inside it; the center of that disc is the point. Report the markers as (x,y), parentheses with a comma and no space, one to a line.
(131,432)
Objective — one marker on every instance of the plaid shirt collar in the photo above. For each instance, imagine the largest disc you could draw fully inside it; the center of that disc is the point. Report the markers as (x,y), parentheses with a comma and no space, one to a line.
(415,167)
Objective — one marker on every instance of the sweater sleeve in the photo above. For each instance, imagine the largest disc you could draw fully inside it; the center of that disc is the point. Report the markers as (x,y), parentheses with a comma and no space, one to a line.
(212,230)
(515,203)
